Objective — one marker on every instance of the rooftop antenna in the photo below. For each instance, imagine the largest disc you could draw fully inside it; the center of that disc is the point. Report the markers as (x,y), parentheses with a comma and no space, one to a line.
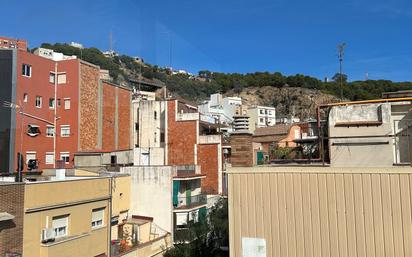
(341,52)
(111,42)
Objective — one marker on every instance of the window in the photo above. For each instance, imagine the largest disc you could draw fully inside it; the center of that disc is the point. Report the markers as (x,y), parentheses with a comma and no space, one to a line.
(26,70)
(67,103)
(61,225)
(65,131)
(25,97)
(49,158)
(297,134)
(30,156)
(162,137)
(49,131)
(261,120)
(33,130)
(51,103)
(61,78)
(261,112)
(97,218)
(155,115)
(65,156)
(59,102)
(51,77)
(39,101)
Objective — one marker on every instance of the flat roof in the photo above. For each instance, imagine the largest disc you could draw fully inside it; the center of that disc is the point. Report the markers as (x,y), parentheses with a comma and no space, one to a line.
(317,169)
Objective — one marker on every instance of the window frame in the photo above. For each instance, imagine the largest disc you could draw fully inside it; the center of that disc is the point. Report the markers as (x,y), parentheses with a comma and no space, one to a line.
(64,155)
(26,68)
(65,219)
(47,131)
(52,100)
(67,100)
(95,221)
(40,98)
(65,127)
(45,158)
(31,153)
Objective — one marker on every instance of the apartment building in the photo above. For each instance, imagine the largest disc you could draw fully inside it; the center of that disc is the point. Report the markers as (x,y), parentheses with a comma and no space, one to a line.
(171,133)
(261,116)
(221,108)
(189,201)
(74,220)
(83,114)
(79,218)
(6,42)
(190,141)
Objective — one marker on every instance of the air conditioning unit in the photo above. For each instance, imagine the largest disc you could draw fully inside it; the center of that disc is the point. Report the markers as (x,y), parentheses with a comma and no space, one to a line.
(47,235)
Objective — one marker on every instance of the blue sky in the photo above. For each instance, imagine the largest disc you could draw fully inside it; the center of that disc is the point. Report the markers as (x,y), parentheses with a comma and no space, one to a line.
(289,36)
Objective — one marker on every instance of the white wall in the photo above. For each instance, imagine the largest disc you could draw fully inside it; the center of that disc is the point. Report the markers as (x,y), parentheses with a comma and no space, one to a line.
(151,193)
(361,152)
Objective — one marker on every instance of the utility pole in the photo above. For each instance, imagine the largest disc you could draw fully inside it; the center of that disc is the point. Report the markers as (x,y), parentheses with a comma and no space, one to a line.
(111,42)
(341,52)
(56,77)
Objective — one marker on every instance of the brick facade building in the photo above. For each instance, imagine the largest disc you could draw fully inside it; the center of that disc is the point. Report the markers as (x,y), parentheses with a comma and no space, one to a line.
(6,42)
(190,141)
(11,218)
(92,115)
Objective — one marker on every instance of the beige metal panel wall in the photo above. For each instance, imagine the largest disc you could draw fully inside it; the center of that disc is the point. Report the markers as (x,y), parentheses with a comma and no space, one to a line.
(326,213)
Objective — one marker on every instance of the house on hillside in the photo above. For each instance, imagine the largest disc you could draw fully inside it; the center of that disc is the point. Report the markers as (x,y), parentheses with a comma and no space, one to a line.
(268,139)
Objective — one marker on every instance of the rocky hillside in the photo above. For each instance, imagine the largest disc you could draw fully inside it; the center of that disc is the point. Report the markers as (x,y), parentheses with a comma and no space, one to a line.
(293,94)
(288,100)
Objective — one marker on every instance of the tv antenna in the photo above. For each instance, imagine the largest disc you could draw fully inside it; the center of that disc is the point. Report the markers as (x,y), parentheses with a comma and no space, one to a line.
(341,53)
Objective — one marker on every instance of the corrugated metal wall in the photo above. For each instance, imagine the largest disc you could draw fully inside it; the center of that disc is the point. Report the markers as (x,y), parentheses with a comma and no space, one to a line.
(316,214)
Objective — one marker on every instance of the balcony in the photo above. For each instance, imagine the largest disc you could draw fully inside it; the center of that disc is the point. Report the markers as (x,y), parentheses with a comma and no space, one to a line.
(190,202)
(187,116)
(187,172)
(210,139)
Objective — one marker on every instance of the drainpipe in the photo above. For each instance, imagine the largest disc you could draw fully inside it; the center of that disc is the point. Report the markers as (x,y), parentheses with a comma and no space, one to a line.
(109,225)
(321,142)
(56,77)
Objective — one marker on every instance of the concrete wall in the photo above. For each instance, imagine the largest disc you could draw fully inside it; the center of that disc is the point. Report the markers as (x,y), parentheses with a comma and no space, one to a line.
(149,156)
(365,152)
(315,211)
(151,193)
(101,159)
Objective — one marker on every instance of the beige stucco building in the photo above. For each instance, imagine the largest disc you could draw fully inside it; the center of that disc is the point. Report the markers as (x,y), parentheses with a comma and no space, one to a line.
(71,218)
(74,216)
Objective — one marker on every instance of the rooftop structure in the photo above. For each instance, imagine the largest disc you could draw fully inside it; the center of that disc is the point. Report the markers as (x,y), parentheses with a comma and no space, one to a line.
(11,43)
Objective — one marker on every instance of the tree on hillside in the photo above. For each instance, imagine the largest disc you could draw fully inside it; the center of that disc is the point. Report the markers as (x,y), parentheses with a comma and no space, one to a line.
(337,78)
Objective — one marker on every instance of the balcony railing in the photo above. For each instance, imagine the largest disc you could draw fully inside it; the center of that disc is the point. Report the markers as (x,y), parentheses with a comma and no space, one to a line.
(187,171)
(190,201)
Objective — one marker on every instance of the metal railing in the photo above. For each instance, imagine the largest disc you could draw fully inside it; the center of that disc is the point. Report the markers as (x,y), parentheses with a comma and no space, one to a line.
(191,201)
(186,170)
